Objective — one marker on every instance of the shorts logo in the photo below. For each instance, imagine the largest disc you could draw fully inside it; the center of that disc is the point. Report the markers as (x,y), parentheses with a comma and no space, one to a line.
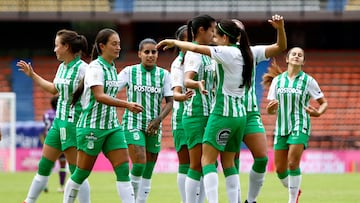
(136,136)
(90,139)
(223,136)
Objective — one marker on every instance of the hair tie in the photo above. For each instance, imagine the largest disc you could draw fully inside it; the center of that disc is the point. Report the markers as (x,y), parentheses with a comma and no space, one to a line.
(225,31)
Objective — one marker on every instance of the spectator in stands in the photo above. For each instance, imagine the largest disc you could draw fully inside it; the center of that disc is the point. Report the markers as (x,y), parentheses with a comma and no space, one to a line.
(61,138)
(148,84)
(254,135)
(233,71)
(181,95)
(289,96)
(98,128)
(48,118)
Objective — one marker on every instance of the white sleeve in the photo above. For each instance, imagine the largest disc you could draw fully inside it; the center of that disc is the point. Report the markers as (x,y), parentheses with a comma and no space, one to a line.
(94,75)
(177,74)
(258,52)
(82,69)
(272,90)
(224,54)
(123,77)
(167,85)
(192,62)
(314,89)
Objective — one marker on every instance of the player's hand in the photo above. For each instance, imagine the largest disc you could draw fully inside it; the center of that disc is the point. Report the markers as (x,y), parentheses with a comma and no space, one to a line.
(312,111)
(272,106)
(202,87)
(135,107)
(153,127)
(25,68)
(166,44)
(188,94)
(277,21)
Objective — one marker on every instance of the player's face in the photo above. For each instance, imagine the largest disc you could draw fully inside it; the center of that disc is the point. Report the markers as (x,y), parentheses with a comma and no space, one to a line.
(206,36)
(148,55)
(209,34)
(111,49)
(219,40)
(296,57)
(60,49)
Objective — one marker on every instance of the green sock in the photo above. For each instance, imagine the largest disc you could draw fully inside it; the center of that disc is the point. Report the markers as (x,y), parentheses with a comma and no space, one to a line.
(149,168)
(183,168)
(45,166)
(122,172)
(80,175)
(259,165)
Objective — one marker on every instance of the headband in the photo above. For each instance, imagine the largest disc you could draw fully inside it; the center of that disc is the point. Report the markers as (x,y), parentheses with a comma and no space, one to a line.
(225,31)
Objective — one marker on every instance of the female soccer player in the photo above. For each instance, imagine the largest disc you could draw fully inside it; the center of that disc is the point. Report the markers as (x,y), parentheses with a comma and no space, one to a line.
(233,73)
(181,95)
(48,118)
(69,46)
(147,84)
(98,128)
(198,77)
(289,97)
(254,135)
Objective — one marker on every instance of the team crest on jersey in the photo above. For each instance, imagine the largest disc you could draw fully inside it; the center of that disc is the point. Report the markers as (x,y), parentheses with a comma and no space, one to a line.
(223,136)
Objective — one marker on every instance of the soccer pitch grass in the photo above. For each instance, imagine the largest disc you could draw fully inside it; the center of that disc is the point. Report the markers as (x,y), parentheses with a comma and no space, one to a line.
(329,188)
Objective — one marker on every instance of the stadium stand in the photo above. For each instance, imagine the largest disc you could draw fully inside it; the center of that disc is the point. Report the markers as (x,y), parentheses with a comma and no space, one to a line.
(223,6)
(5,74)
(55,5)
(353,5)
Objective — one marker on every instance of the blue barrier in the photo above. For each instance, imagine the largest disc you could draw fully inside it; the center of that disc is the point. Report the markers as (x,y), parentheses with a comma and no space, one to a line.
(22,85)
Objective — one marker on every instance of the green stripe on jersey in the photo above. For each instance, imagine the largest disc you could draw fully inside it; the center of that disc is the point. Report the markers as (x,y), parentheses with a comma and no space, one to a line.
(293,97)
(226,105)
(66,81)
(145,88)
(200,104)
(97,115)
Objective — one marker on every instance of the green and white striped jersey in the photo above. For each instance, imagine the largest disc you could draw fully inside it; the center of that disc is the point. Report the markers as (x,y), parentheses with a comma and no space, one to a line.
(199,104)
(250,100)
(293,96)
(177,79)
(66,81)
(147,88)
(228,95)
(97,115)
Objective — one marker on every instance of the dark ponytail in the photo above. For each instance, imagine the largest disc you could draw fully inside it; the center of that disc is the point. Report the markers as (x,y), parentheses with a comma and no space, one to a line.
(244,46)
(189,31)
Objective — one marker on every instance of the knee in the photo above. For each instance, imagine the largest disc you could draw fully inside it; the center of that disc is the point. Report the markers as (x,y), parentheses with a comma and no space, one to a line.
(260,164)
(137,169)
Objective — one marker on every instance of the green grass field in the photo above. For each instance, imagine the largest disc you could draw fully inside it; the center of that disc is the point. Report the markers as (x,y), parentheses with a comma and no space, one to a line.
(329,188)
